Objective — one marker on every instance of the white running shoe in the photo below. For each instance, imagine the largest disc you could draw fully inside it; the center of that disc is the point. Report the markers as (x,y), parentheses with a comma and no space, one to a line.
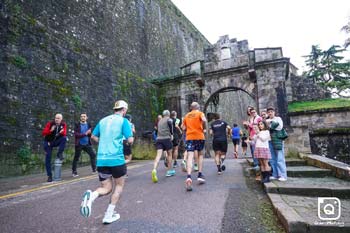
(188,184)
(273,178)
(85,207)
(109,218)
(201,179)
(282,179)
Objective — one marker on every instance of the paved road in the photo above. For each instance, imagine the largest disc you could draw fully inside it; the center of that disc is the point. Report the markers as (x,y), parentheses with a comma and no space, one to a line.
(224,204)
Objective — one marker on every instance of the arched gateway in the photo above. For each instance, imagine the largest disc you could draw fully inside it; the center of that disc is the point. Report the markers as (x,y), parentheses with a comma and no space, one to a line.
(230,65)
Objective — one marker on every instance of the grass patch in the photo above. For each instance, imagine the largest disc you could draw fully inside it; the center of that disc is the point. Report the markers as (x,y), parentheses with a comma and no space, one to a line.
(143,151)
(269,218)
(319,104)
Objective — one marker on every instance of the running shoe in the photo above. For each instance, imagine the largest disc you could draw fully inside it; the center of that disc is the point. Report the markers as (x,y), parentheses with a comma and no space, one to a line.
(170,173)
(219,172)
(175,164)
(85,207)
(154,176)
(201,179)
(195,167)
(183,166)
(109,218)
(273,178)
(223,167)
(75,174)
(188,184)
(282,179)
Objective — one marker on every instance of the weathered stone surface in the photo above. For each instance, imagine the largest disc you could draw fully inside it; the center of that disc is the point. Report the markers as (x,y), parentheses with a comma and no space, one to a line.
(68,56)
(341,169)
(229,65)
(323,132)
(304,89)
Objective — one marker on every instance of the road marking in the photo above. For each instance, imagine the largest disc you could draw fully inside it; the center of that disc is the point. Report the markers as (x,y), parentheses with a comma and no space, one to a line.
(60,183)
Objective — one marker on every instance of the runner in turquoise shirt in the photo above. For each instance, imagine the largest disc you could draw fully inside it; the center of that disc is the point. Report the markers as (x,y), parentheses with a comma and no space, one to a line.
(111,167)
(110,131)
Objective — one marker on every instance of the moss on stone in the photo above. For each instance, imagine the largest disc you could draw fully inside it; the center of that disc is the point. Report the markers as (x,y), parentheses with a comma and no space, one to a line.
(77,101)
(18,61)
(330,131)
(11,120)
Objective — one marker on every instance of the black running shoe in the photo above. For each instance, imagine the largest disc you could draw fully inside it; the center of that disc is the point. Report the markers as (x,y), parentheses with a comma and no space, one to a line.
(175,164)
(223,167)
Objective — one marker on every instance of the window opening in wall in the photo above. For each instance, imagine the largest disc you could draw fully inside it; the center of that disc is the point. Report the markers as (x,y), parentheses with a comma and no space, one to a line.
(225,53)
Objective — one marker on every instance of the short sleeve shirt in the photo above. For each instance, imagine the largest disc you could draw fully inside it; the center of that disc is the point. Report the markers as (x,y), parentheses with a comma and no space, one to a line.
(219,130)
(111,130)
(194,125)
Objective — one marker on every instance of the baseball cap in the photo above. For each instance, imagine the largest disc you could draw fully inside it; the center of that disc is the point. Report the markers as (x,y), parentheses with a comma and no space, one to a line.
(120,104)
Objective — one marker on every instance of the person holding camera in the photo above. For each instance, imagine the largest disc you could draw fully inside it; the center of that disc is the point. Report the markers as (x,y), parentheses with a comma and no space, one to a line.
(55,135)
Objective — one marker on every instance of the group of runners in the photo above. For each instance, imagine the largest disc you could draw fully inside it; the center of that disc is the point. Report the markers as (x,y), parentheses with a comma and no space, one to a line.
(169,136)
(112,130)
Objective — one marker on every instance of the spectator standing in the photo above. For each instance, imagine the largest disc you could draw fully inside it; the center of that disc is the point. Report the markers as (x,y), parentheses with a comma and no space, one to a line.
(55,135)
(82,134)
(278,162)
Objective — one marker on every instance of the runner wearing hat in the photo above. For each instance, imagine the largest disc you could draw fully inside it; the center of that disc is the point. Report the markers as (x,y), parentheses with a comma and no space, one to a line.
(111,167)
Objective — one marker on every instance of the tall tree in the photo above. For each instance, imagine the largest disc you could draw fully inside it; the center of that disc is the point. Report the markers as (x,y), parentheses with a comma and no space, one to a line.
(327,68)
(346,29)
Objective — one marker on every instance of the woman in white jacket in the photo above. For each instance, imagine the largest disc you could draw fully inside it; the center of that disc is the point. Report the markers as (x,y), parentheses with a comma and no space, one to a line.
(262,151)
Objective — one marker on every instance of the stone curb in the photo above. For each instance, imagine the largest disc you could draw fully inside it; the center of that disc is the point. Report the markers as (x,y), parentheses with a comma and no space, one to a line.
(341,170)
(294,223)
(290,219)
(339,192)
(289,162)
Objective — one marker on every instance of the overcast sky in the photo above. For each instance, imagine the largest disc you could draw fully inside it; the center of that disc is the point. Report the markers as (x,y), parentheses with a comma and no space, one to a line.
(294,25)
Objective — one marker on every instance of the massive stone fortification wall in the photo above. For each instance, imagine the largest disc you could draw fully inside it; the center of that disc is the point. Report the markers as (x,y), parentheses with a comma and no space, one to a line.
(68,56)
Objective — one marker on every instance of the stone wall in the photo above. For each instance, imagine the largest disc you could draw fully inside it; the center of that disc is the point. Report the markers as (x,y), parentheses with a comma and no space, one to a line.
(331,143)
(304,89)
(71,56)
(324,132)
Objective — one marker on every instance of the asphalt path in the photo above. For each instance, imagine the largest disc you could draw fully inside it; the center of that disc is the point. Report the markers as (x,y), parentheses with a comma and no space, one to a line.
(144,206)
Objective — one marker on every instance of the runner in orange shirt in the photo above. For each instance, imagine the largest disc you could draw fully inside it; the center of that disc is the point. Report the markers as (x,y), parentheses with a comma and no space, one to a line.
(194,123)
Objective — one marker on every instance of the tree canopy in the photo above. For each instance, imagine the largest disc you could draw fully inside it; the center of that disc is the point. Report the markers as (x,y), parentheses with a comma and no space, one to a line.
(328,68)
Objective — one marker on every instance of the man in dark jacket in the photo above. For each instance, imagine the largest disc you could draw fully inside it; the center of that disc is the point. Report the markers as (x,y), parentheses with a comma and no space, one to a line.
(82,133)
(54,133)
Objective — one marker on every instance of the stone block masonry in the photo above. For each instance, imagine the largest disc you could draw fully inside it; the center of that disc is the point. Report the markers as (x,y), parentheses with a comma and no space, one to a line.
(71,56)
(323,132)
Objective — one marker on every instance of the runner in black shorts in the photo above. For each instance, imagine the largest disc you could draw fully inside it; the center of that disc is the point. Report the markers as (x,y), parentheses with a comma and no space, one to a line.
(177,136)
(164,143)
(236,137)
(105,173)
(220,130)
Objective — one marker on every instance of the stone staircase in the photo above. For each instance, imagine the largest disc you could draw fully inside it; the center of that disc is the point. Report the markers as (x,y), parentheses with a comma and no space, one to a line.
(296,200)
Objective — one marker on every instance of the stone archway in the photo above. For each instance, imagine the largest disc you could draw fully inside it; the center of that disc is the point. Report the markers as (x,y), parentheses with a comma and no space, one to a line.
(262,73)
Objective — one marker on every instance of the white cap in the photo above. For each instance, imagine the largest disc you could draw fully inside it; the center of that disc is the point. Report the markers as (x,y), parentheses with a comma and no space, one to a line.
(120,104)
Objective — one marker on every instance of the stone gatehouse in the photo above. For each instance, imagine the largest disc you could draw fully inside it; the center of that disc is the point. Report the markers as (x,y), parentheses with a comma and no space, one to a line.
(229,65)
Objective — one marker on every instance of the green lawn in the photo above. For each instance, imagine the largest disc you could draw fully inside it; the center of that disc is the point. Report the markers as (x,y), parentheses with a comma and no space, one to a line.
(319,104)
